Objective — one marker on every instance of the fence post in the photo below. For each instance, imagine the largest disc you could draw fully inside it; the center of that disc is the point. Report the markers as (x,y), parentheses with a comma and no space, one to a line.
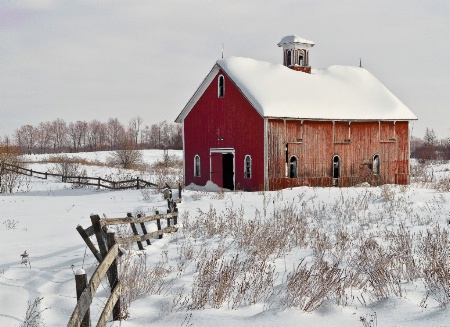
(45,175)
(179,191)
(95,219)
(98,183)
(137,183)
(144,230)
(89,243)
(168,219)
(135,232)
(110,239)
(158,224)
(81,284)
(31,172)
(175,219)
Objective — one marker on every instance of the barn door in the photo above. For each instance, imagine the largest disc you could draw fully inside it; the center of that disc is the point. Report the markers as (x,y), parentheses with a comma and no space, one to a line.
(222,167)
(228,170)
(216,169)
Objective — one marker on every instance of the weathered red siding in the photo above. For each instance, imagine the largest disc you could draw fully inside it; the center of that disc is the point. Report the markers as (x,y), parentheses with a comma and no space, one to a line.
(314,143)
(227,122)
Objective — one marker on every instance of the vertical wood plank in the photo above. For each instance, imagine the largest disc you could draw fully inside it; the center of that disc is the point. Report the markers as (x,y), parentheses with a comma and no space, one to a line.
(158,224)
(144,230)
(113,272)
(81,284)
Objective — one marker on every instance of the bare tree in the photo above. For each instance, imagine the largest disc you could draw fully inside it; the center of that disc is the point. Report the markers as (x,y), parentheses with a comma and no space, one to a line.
(43,136)
(59,135)
(115,133)
(77,134)
(134,126)
(127,157)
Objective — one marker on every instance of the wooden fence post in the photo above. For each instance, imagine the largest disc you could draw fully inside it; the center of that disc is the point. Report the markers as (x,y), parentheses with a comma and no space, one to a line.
(89,243)
(168,219)
(113,272)
(95,219)
(158,224)
(137,183)
(179,191)
(81,284)
(135,232)
(144,230)
(98,183)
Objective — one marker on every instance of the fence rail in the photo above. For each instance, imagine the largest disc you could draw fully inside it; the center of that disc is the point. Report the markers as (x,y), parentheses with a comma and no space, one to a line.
(83,180)
(107,253)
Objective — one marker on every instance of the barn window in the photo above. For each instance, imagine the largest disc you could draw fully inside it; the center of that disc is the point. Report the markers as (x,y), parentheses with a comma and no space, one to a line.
(336,167)
(293,170)
(221,86)
(197,166)
(376,164)
(248,167)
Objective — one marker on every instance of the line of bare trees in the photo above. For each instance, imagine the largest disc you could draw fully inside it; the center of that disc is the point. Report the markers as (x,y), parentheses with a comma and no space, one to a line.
(430,147)
(83,136)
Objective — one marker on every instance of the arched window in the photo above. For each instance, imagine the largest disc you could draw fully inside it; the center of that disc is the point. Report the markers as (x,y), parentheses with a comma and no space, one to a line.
(221,86)
(197,166)
(376,164)
(336,167)
(248,167)
(293,170)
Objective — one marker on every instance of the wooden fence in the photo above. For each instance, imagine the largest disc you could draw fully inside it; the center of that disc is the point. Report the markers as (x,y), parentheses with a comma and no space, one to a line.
(82,180)
(107,253)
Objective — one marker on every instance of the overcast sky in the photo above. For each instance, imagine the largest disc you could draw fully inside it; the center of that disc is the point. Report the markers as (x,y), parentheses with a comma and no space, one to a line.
(85,60)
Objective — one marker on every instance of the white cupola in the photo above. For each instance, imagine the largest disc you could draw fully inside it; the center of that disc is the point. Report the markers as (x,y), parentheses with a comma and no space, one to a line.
(296,53)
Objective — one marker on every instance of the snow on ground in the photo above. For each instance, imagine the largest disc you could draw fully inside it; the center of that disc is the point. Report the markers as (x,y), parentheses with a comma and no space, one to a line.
(47,214)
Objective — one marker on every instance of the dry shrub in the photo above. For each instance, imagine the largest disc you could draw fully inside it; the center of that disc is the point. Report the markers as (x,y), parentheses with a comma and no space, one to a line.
(374,266)
(308,288)
(442,185)
(387,192)
(128,158)
(10,180)
(402,253)
(435,254)
(137,279)
(168,170)
(33,314)
(233,281)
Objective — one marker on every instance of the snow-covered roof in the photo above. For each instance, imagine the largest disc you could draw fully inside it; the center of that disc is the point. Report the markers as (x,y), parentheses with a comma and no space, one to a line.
(334,93)
(295,39)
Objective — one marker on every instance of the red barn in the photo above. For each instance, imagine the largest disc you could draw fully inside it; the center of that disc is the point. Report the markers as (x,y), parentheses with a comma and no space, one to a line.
(254,125)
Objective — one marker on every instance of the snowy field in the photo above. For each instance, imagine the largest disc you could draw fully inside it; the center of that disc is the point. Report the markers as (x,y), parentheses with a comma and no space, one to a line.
(363,256)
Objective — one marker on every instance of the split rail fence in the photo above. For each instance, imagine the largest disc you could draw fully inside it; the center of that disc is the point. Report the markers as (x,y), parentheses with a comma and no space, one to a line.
(82,180)
(107,254)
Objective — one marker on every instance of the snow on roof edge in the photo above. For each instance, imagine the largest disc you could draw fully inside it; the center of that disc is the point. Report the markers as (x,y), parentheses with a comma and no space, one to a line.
(333,93)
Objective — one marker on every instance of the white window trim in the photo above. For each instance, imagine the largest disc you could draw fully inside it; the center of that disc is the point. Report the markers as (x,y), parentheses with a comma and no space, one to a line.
(199,166)
(250,166)
(221,88)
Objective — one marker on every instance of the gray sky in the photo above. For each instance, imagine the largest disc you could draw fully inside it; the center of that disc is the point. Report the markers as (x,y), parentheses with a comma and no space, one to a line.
(85,60)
